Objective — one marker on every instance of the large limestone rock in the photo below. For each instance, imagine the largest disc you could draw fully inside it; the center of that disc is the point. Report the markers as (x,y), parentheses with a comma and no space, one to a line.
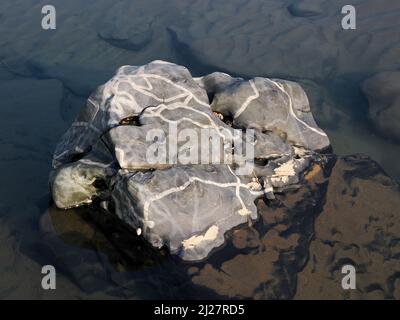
(182,160)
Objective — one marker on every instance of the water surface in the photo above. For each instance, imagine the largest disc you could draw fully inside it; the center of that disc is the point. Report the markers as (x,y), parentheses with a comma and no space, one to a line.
(46,76)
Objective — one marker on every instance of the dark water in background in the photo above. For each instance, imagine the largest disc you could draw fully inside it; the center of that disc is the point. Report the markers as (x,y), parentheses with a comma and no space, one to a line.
(45,77)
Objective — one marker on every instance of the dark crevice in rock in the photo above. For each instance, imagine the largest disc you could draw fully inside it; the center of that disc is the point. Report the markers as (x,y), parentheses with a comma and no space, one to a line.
(100,184)
(261,161)
(134,120)
(130,121)
(78,156)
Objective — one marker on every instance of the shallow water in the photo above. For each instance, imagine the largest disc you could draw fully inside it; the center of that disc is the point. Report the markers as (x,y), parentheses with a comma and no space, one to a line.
(46,76)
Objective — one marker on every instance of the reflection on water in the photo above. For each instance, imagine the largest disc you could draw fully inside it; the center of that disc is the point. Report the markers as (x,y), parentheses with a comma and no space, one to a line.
(45,77)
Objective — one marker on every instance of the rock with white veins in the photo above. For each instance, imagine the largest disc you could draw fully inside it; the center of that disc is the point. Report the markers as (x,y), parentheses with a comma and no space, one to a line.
(187,206)
(271,105)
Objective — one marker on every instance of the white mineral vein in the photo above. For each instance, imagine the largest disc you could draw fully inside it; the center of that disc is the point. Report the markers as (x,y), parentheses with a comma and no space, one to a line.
(167,192)
(248,100)
(280,87)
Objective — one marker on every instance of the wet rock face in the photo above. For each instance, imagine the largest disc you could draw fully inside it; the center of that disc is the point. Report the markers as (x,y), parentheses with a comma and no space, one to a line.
(182,160)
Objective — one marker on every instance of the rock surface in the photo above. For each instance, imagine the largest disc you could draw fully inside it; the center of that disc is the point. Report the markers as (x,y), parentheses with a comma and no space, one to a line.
(173,199)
